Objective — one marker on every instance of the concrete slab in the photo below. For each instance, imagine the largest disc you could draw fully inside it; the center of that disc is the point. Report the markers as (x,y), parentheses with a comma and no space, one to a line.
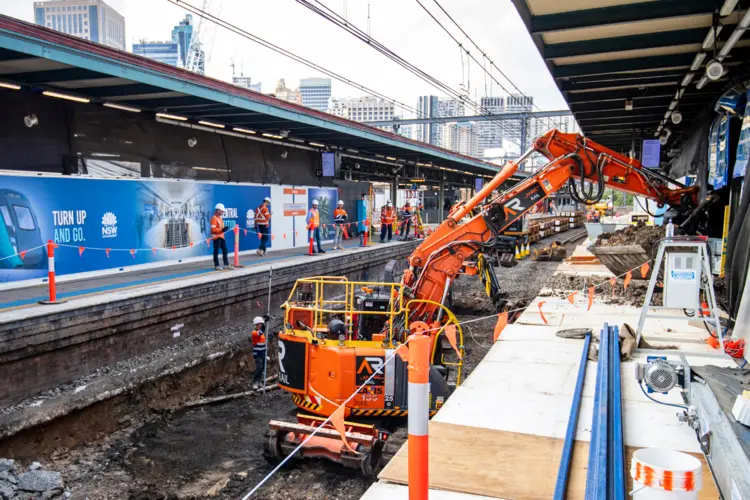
(389,491)
(526,381)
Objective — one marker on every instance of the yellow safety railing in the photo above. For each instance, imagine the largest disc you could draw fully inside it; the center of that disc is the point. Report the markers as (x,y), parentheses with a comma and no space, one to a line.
(452,320)
(321,302)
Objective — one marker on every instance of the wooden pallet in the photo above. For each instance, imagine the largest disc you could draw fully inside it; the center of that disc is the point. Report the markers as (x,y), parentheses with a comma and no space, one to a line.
(507,465)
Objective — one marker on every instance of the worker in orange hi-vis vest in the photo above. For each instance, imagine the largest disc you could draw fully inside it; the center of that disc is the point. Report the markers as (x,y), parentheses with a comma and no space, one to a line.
(217,234)
(387,218)
(313,225)
(339,220)
(262,222)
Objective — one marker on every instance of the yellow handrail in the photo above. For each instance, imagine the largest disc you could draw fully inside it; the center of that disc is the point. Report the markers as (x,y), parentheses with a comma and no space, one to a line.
(451,320)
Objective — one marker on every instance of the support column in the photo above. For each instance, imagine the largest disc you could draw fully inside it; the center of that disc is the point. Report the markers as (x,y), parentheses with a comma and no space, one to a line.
(441,201)
(394,191)
(524,132)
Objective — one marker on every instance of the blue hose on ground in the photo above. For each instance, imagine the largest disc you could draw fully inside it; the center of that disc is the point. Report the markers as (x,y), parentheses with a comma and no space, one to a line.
(596,478)
(562,474)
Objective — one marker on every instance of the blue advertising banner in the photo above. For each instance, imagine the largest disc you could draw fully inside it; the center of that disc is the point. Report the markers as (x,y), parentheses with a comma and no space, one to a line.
(721,174)
(743,148)
(713,143)
(107,223)
(327,200)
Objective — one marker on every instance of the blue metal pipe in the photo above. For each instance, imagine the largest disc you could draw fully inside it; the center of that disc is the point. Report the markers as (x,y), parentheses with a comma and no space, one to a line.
(563,472)
(610,417)
(618,458)
(596,479)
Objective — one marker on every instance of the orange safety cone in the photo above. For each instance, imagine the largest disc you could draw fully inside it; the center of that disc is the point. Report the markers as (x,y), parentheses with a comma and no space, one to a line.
(310,250)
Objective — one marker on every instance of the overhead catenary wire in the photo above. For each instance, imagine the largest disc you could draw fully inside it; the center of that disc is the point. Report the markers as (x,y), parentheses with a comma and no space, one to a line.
(484,54)
(291,55)
(461,96)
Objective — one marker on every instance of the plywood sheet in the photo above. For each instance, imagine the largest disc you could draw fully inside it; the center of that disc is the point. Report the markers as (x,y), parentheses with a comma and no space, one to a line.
(503,464)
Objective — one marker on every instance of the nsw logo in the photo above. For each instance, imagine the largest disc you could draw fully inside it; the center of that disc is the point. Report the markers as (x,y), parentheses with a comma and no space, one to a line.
(109,225)
(250,218)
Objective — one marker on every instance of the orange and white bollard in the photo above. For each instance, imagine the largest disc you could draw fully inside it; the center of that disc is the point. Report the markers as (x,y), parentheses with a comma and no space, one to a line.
(51,273)
(236,246)
(310,249)
(419,416)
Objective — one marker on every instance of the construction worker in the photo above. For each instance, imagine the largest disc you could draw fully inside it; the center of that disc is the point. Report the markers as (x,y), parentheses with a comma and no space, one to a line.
(387,218)
(419,221)
(217,234)
(262,221)
(339,221)
(313,225)
(406,215)
(258,338)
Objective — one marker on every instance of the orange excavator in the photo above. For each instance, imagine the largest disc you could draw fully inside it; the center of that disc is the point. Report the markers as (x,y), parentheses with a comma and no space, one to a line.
(338,345)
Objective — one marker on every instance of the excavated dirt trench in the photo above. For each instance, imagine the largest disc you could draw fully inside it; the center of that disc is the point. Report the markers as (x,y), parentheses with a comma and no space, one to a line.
(146,446)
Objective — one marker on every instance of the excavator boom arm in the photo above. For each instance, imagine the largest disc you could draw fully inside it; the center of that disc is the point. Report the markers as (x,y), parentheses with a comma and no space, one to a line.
(436,263)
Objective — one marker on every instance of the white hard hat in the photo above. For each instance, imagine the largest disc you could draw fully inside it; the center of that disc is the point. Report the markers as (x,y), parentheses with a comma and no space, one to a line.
(267,199)
(220,206)
(388,204)
(341,202)
(258,320)
(315,202)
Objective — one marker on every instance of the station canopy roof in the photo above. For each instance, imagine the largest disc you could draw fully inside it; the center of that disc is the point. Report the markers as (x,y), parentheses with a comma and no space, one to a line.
(41,59)
(608,54)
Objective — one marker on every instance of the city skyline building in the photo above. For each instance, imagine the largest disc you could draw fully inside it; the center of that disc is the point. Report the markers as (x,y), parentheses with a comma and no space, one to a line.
(286,94)
(164,52)
(91,20)
(461,138)
(362,109)
(315,93)
(182,35)
(447,108)
(490,133)
(246,82)
(428,106)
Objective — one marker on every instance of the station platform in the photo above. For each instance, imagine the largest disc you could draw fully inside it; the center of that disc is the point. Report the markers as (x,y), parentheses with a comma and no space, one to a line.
(120,316)
(501,433)
(25,295)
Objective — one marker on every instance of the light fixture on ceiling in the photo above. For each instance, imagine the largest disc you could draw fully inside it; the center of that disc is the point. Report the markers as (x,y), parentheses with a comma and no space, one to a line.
(676,117)
(714,70)
(67,97)
(121,107)
(192,142)
(699,57)
(243,130)
(10,86)
(30,120)
(663,139)
(284,154)
(317,145)
(687,79)
(702,82)
(171,117)
(672,105)
(629,105)
(284,133)
(727,7)
(211,124)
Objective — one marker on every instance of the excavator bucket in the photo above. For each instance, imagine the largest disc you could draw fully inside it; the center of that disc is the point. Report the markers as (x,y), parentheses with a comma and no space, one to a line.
(367,441)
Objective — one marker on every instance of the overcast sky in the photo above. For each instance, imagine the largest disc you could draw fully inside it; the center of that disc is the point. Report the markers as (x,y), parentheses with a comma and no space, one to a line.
(400,25)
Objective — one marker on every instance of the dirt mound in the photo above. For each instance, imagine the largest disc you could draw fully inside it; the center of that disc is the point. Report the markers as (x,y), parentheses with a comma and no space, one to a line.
(561,285)
(645,236)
